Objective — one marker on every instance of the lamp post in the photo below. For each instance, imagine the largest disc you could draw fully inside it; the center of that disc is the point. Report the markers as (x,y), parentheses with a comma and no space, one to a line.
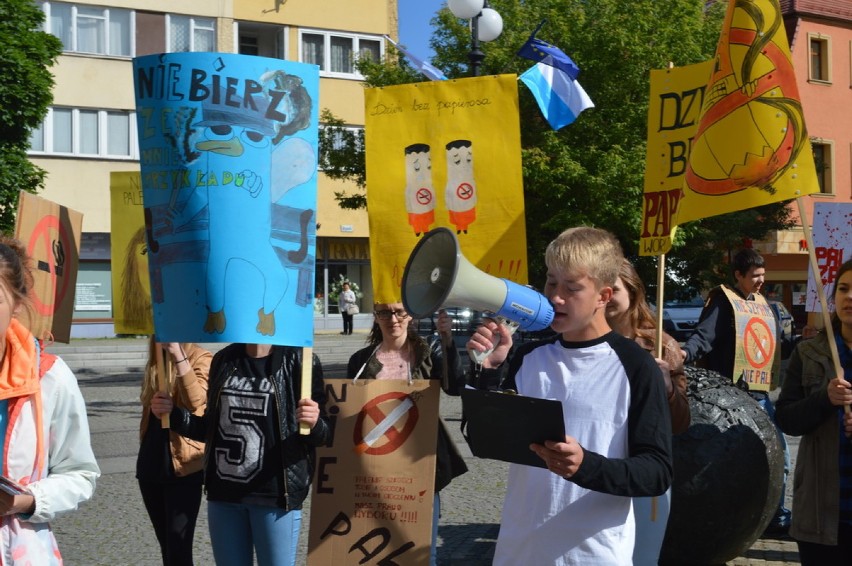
(486,24)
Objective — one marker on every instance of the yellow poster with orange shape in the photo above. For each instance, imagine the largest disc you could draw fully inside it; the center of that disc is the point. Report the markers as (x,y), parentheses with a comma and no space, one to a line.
(751,147)
(674,107)
(445,153)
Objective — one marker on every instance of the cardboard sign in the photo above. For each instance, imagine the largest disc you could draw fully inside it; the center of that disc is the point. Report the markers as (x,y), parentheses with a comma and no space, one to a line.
(756,353)
(373,492)
(51,235)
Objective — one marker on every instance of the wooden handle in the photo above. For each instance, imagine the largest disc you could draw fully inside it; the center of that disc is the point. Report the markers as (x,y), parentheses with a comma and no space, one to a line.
(162,382)
(307,367)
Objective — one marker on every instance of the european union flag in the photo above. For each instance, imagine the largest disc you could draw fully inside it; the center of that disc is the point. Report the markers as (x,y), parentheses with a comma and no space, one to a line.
(543,52)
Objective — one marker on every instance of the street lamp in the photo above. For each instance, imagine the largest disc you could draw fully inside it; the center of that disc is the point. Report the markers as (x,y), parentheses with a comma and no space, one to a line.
(486,24)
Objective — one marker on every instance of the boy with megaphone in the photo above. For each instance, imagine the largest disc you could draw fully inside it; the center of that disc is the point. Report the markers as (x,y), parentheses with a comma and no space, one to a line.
(618,442)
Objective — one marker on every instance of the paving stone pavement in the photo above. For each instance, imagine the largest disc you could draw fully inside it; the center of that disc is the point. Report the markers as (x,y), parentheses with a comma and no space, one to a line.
(113,529)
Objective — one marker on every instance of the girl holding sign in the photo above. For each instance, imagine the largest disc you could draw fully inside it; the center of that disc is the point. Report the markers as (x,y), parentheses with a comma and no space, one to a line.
(395,351)
(168,466)
(48,464)
(814,404)
(258,466)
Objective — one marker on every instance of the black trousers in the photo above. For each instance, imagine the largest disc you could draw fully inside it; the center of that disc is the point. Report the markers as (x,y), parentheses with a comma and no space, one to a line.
(811,554)
(173,510)
(347,323)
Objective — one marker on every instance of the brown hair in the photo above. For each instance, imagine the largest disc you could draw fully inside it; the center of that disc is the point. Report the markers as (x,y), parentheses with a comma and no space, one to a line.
(638,312)
(835,320)
(16,270)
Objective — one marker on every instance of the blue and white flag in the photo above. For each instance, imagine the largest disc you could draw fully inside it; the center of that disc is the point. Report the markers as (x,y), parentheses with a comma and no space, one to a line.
(423,67)
(560,98)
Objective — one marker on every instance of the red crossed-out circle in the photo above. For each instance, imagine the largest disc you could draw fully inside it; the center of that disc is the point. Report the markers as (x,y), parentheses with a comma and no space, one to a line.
(394,438)
(464,191)
(755,330)
(423,196)
(43,232)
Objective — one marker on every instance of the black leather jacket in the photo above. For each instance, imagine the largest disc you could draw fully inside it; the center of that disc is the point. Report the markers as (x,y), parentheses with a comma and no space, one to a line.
(297,451)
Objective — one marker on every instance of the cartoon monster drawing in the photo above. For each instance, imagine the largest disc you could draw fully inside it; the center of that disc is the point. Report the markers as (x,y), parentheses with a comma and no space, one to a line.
(235,144)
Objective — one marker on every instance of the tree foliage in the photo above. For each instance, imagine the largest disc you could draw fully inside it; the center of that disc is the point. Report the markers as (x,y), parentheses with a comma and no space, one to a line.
(591,172)
(25,93)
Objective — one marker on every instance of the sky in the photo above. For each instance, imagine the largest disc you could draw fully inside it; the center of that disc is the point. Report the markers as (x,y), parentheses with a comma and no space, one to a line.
(414,27)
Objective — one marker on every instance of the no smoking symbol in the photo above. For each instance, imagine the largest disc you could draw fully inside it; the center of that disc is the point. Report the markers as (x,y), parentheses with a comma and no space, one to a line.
(384,436)
(464,191)
(424,196)
(758,343)
(48,244)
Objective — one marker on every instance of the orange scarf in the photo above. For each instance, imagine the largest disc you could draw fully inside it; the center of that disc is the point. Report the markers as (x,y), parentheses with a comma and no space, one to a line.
(18,377)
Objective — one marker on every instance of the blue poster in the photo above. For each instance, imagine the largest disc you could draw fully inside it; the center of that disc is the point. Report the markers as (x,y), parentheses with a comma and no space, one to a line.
(228,151)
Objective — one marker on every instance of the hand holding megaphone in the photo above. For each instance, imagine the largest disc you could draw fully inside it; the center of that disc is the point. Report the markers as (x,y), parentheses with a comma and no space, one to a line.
(489,345)
(437,275)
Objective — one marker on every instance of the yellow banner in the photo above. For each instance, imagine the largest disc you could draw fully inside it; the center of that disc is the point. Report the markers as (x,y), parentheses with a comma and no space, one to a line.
(751,147)
(445,153)
(131,286)
(673,110)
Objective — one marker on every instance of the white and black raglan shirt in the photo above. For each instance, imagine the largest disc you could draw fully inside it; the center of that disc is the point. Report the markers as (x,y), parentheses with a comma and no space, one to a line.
(614,405)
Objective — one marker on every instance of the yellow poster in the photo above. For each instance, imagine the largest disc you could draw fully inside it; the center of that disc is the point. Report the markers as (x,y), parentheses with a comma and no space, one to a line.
(751,147)
(131,286)
(445,153)
(673,110)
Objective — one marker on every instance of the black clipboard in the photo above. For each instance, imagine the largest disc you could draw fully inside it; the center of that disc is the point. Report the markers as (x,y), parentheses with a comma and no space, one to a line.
(501,426)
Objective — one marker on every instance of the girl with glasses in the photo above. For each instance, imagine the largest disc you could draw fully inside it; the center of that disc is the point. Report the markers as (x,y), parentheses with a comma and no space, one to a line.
(395,351)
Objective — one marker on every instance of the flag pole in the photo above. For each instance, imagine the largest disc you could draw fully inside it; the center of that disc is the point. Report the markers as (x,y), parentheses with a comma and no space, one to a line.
(162,380)
(661,277)
(823,302)
(307,380)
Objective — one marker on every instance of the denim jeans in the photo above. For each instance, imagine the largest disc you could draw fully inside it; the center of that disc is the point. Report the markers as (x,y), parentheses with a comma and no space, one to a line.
(237,529)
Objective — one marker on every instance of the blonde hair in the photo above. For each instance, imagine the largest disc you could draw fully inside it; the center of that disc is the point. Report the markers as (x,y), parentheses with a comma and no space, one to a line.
(583,249)
(149,380)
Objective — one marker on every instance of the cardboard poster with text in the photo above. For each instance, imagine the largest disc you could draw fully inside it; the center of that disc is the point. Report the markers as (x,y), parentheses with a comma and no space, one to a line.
(51,235)
(374,488)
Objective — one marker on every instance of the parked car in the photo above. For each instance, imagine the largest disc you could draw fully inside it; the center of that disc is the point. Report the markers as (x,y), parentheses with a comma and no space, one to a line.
(681,316)
(787,337)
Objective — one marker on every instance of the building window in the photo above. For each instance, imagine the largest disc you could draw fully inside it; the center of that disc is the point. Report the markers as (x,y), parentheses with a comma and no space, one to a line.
(86,132)
(824,160)
(191,34)
(336,53)
(820,59)
(261,39)
(91,29)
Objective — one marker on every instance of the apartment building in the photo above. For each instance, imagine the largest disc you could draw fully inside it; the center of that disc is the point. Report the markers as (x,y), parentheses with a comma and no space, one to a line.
(820,35)
(90,130)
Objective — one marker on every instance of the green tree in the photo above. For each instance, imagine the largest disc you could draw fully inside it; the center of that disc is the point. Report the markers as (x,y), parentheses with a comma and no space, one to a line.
(592,171)
(25,93)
